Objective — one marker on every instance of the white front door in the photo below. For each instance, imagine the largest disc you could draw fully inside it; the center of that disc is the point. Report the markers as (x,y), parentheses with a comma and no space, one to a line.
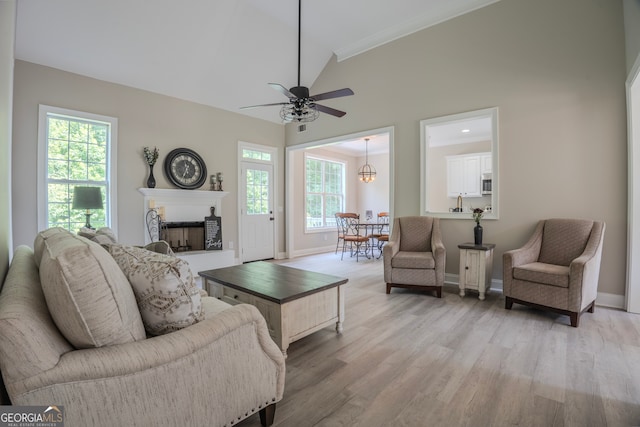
(256,211)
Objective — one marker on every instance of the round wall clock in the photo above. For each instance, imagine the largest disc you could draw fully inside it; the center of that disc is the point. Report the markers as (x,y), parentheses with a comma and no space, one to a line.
(185,168)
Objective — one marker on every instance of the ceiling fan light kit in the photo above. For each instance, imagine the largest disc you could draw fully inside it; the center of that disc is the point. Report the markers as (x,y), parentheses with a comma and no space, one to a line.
(302,107)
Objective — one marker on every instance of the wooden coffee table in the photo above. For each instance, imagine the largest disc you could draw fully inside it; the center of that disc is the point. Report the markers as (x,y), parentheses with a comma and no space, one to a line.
(294,302)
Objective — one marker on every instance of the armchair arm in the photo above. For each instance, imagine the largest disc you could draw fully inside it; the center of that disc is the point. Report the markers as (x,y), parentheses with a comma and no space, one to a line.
(222,366)
(584,271)
(523,255)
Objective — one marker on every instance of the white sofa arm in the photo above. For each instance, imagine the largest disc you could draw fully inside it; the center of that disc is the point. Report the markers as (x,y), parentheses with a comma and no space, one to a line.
(215,372)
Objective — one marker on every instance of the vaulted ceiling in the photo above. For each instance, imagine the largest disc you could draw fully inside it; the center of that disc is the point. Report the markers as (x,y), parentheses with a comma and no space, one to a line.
(220,53)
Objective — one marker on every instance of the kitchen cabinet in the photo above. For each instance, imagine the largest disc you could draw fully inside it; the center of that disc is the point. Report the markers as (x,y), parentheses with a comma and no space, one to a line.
(464,176)
(485,163)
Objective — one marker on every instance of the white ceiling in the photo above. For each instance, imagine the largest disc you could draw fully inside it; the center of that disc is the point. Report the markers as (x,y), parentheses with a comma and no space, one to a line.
(220,53)
(377,144)
(460,132)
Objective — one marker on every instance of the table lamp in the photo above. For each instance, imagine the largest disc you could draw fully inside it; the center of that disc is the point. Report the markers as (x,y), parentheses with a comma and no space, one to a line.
(87,198)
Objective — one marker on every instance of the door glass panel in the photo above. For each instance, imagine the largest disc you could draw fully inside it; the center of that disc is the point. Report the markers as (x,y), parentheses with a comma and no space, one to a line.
(257,192)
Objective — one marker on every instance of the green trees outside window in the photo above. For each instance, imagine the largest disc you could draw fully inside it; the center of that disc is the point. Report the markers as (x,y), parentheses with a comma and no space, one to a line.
(77,152)
(324,192)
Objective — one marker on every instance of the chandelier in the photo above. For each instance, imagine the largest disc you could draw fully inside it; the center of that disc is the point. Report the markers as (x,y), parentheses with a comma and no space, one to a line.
(367,173)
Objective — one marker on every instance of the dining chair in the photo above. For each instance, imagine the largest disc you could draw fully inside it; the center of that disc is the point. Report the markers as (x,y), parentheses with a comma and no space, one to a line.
(383,231)
(350,229)
(340,234)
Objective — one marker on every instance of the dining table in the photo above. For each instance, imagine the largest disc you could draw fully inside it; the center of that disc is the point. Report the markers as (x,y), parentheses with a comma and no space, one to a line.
(372,230)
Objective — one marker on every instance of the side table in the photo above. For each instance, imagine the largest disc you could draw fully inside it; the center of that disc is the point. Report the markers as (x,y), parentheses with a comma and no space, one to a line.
(476,267)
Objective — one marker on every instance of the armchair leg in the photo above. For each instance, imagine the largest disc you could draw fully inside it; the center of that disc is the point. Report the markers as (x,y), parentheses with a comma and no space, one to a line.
(267,414)
(592,307)
(388,288)
(508,303)
(575,319)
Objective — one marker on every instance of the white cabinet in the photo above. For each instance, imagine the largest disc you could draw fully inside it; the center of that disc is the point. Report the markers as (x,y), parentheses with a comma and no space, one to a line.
(464,175)
(485,163)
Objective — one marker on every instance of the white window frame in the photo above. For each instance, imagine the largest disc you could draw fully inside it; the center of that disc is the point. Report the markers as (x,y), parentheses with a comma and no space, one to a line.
(324,229)
(42,193)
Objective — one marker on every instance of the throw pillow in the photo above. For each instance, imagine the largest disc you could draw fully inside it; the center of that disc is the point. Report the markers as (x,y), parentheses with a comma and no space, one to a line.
(167,296)
(88,296)
(102,236)
(160,247)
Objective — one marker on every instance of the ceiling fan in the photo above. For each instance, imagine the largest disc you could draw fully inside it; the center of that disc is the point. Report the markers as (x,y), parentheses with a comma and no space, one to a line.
(301,106)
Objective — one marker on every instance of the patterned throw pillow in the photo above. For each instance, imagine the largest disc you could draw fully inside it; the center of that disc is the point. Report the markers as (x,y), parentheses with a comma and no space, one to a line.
(166,293)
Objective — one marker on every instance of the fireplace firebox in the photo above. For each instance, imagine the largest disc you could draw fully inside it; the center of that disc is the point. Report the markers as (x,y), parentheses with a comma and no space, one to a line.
(184,235)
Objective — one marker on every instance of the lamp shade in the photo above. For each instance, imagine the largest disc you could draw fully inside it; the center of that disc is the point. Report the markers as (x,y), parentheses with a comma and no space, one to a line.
(87,198)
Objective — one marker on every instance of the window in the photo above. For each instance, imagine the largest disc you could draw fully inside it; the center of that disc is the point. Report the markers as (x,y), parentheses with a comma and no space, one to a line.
(256,155)
(75,149)
(324,192)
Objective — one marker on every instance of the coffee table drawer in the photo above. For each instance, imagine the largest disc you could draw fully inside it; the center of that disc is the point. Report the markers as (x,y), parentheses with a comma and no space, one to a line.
(233,296)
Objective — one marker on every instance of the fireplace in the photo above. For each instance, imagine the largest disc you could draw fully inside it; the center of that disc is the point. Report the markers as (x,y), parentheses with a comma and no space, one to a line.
(183,236)
(183,220)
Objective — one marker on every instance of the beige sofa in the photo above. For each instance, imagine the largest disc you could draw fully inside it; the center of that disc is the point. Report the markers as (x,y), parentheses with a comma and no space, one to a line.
(215,372)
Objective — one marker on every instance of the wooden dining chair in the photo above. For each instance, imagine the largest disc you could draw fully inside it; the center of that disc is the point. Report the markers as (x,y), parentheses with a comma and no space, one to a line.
(351,233)
(383,231)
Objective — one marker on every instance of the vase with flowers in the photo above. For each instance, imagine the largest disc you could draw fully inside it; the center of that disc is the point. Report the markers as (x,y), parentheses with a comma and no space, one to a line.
(151,156)
(477,230)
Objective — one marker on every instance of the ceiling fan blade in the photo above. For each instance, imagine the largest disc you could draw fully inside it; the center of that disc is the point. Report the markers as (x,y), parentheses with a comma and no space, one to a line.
(329,110)
(333,94)
(264,105)
(283,90)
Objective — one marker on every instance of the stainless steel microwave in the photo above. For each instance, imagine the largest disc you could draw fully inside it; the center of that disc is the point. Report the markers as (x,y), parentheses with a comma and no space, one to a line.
(486,183)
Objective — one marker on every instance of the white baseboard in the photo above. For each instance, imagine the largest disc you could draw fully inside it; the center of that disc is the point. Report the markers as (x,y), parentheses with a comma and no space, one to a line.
(454,279)
(610,300)
(312,251)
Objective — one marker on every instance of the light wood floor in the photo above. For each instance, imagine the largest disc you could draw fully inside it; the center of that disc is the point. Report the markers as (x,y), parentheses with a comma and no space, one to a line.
(410,359)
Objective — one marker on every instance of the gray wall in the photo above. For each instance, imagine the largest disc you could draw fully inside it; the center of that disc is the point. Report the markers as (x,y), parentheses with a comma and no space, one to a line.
(632,30)
(144,119)
(557,77)
(7,39)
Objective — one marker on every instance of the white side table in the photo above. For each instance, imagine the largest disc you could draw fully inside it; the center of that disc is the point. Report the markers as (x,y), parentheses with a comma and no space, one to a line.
(476,267)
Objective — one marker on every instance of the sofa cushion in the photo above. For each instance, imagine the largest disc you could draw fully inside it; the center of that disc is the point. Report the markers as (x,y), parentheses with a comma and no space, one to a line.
(422,260)
(88,296)
(167,296)
(102,236)
(548,274)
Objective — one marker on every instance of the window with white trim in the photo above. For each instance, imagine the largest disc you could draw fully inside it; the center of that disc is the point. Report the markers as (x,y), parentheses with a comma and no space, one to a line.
(75,149)
(324,192)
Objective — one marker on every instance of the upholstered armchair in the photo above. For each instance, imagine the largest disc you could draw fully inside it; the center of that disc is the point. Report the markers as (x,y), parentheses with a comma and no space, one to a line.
(414,257)
(557,269)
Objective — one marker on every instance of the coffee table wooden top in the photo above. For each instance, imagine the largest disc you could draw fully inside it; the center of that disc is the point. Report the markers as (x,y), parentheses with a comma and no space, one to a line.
(273,282)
